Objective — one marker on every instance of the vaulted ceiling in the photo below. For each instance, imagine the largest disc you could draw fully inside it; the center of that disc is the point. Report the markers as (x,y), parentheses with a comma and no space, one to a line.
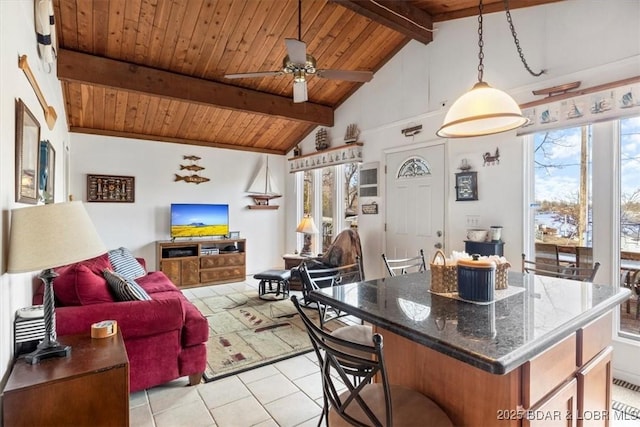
(154,69)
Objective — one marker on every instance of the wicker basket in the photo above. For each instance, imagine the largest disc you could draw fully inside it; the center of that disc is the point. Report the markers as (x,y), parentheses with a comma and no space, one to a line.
(502,272)
(444,277)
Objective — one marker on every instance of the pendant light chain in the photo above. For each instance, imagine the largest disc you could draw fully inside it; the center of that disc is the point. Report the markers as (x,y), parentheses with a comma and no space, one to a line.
(517,42)
(480,43)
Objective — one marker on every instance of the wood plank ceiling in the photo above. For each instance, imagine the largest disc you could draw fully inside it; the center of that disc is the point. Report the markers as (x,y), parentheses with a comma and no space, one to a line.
(154,69)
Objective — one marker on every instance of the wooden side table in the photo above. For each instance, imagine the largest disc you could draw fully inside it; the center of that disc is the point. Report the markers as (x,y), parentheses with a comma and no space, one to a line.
(88,388)
(292,261)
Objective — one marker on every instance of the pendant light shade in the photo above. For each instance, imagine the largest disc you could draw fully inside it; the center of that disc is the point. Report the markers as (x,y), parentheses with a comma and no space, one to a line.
(481,111)
(485,110)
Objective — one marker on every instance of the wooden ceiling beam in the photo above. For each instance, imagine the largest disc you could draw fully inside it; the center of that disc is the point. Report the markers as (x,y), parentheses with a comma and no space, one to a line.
(397,15)
(104,72)
(489,7)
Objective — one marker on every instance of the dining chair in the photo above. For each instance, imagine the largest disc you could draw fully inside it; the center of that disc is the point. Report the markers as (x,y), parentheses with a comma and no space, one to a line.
(547,253)
(584,256)
(405,265)
(584,274)
(319,278)
(354,365)
(634,285)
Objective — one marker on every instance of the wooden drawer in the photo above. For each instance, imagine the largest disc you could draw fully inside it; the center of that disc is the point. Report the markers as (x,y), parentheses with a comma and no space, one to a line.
(593,338)
(223,260)
(548,370)
(222,274)
(559,409)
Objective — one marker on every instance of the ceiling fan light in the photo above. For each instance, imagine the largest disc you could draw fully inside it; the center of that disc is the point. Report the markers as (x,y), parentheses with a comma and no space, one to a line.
(299,76)
(310,65)
(481,111)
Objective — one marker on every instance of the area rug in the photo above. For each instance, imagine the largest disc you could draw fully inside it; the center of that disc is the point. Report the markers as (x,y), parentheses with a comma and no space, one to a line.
(246,332)
(626,399)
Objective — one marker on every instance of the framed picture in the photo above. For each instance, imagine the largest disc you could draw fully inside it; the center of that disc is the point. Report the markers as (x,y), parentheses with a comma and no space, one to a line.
(234,234)
(110,188)
(27,147)
(46,172)
(466,186)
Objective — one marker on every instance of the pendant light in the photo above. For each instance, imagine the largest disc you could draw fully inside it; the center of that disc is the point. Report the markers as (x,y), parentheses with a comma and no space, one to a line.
(484,110)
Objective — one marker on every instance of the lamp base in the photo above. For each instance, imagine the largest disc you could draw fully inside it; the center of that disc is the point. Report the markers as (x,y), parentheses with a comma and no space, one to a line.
(306,249)
(45,352)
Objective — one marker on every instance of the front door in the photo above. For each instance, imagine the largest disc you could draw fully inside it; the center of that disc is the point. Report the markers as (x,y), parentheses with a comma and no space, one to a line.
(415,202)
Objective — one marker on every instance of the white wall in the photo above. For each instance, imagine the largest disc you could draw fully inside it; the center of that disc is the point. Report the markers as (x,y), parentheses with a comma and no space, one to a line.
(154,165)
(18,38)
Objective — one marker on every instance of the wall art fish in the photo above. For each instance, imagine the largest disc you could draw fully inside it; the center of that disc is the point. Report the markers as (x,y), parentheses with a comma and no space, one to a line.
(194,168)
(194,158)
(194,179)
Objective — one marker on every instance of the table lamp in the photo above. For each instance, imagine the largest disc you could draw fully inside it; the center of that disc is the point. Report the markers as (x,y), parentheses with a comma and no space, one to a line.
(44,237)
(308,227)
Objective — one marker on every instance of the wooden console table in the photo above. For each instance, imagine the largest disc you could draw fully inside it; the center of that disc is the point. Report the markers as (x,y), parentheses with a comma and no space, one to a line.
(192,263)
(88,388)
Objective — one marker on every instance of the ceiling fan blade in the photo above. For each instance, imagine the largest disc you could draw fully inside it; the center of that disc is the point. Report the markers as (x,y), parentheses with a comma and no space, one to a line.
(353,76)
(297,51)
(256,74)
(300,91)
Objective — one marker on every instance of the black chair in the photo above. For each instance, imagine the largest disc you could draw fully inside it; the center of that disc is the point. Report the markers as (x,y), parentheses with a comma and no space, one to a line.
(365,403)
(405,265)
(319,278)
(584,274)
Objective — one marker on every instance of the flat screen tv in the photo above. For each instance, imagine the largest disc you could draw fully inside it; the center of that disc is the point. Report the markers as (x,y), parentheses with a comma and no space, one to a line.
(199,220)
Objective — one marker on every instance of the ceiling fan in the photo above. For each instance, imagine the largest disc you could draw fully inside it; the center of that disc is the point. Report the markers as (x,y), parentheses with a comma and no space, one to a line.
(301,64)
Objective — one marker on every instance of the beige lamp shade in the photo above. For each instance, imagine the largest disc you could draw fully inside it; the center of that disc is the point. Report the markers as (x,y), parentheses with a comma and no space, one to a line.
(481,111)
(307,226)
(49,236)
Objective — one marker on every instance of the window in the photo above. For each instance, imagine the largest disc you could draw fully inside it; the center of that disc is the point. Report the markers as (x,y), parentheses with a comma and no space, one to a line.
(630,223)
(330,195)
(563,191)
(562,167)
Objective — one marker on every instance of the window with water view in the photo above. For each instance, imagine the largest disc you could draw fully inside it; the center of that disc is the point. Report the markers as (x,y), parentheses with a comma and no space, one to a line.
(563,195)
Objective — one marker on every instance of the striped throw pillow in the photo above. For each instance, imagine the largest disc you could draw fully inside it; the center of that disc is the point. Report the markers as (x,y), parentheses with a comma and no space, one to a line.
(125,264)
(125,289)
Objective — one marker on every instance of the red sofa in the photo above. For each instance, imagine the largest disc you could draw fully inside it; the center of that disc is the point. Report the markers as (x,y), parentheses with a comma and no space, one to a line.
(165,337)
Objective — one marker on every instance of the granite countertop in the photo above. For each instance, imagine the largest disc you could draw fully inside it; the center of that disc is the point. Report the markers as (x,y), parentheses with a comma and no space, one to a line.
(530,316)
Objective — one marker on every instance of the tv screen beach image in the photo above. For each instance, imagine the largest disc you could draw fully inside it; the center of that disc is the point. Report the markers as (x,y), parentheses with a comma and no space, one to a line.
(199,220)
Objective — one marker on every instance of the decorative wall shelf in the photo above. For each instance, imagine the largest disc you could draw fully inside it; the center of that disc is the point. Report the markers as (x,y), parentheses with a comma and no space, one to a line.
(350,153)
(266,207)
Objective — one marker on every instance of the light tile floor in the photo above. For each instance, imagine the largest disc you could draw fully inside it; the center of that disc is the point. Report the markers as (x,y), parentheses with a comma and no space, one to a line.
(285,394)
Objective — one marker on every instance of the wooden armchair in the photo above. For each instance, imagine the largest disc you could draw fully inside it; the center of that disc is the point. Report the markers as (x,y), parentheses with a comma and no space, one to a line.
(547,253)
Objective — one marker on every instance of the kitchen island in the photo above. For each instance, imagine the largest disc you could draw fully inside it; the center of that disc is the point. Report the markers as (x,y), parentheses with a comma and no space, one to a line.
(539,354)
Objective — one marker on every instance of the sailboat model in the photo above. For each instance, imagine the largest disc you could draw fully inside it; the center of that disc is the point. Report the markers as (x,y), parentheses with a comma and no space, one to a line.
(262,189)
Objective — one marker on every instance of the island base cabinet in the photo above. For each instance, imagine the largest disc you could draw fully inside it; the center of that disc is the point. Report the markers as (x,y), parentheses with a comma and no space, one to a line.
(468,395)
(593,396)
(557,410)
(548,390)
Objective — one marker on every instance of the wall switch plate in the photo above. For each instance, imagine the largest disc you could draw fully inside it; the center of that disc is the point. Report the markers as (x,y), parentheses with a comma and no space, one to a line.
(473,220)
